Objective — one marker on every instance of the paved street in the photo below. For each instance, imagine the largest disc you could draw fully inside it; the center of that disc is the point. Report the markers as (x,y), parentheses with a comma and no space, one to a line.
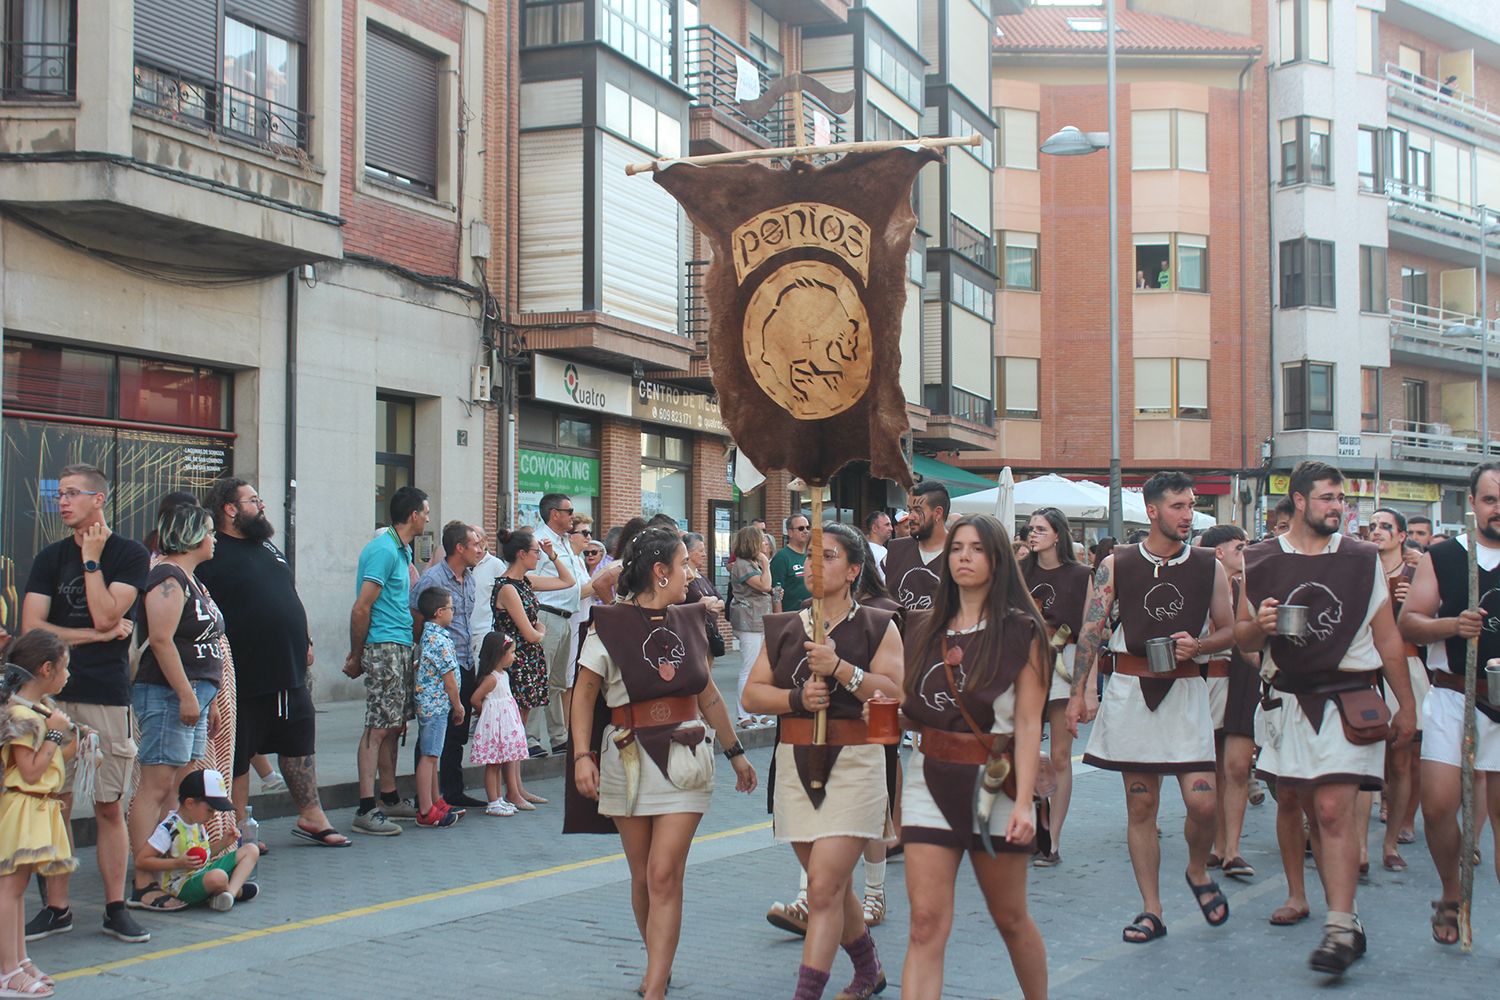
(508,907)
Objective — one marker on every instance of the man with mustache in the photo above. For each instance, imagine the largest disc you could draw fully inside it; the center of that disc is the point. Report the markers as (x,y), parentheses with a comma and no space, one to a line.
(1437,613)
(267,628)
(1318,757)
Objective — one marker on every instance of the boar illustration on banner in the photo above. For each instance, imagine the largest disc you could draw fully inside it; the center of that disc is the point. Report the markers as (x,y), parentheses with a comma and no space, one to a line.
(805,297)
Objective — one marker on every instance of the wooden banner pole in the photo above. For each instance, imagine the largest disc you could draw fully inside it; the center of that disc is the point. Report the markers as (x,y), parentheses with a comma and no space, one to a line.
(818,757)
(1471,688)
(876,146)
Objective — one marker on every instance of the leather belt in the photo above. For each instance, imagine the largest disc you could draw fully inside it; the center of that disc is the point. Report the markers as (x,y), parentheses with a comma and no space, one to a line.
(54,796)
(798,731)
(954,748)
(1135,666)
(1453,682)
(557,611)
(1411,650)
(1218,668)
(655,712)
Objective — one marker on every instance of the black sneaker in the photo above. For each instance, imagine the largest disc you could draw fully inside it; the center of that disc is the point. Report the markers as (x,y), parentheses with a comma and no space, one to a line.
(122,926)
(47,923)
(537,752)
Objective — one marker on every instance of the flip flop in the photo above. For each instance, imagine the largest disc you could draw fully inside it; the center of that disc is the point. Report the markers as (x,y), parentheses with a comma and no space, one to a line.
(1445,918)
(1406,837)
(1394,862)
(161,901)
(1286,916)
(1209,898)
(321,838)
(1148,927)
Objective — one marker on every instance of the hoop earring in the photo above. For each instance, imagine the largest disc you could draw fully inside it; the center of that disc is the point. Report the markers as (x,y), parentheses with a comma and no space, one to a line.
(661,581)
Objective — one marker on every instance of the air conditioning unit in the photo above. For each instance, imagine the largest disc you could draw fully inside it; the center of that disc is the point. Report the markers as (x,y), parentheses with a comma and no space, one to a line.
(479,389)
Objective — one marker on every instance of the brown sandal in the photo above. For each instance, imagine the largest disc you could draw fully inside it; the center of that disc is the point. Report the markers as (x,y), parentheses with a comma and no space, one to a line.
(1445,918)
(1286,916)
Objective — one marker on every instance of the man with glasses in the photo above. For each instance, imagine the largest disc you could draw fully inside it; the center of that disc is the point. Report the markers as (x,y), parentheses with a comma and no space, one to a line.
(559,606)
(788,565)
(1324,676)
(82,588)
(266,623)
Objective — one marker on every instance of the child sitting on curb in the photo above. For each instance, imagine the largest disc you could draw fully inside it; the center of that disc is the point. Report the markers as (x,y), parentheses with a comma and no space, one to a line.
(179,848)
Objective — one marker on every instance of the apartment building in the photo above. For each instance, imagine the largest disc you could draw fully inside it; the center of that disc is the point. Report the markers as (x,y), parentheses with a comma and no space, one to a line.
(1386,121)
(244,236)
(602,304)
(1192,250)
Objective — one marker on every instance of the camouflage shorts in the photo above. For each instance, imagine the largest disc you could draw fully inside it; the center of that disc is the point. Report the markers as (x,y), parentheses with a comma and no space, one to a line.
(389,698)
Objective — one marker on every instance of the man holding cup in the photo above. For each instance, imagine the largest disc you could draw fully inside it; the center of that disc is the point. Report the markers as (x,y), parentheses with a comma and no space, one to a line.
(1155,716)
(1437,613)
(1316,602)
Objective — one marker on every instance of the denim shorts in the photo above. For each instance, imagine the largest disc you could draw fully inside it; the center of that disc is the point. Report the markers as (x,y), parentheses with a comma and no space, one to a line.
(431,734)
(164,739)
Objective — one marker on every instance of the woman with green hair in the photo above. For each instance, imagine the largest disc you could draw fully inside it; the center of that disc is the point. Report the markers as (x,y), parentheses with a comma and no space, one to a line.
(181,668)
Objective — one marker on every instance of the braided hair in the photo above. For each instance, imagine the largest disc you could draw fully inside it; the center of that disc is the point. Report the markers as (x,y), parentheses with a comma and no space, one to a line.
(646,550)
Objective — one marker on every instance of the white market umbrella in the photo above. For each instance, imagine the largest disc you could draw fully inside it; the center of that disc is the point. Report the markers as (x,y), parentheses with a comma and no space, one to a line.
(1080,501)
(1005,500)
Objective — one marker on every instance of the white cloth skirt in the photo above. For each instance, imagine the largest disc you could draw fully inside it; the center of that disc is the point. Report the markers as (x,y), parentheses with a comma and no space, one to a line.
(657,796)
(1293,753)
(1177,738)
(1218,699)
(1419,686)
(856,803)
(1442,719)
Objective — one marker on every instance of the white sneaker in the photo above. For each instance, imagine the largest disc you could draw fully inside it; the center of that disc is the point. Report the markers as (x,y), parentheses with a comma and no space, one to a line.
(273,782)
(499,807)
(223,901)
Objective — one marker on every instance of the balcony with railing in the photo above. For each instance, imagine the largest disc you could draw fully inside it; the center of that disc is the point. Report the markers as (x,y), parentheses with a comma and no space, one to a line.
(219,108)
(960,420)
(1431,103)
(1436,444)
(1440,338)
(969,242)
(721,74)
(38,71)
(1429,223)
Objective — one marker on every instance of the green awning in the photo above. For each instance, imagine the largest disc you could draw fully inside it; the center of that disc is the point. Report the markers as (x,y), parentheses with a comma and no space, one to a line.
(960,482)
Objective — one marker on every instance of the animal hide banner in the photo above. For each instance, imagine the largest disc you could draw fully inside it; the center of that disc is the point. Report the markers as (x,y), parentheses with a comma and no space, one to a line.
(805,298)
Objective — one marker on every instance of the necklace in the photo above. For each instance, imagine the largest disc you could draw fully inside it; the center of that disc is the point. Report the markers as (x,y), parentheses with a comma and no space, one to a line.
(1158,562)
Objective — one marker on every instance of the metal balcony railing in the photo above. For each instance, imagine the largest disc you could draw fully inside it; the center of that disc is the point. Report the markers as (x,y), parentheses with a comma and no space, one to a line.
(719,70)
(219,108)
(971,243)
(1441,334)
(952,401)
(1450,105)
(1442,218)
(38,70)
(695,303)
(1420,441)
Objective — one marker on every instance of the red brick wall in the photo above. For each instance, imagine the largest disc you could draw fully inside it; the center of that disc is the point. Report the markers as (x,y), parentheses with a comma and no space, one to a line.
(1075,344)
(619,471)
(374,226)
(709,480)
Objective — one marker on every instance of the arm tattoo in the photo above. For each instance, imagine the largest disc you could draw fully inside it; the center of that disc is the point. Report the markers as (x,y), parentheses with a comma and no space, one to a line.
(168,587)
(1095,631)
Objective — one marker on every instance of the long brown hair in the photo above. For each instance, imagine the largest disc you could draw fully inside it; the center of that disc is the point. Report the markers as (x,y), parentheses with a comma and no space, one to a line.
(1008,597)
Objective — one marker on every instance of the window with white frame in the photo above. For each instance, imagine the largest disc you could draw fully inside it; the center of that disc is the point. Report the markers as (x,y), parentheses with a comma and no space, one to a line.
(1171,387)
(1168,139)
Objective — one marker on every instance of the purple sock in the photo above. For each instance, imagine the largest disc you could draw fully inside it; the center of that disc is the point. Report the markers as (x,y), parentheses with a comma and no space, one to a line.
(861,952)
(810,983)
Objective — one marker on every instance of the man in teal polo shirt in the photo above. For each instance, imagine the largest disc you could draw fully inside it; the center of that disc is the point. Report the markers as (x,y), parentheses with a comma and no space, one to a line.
(380,637)
(787,566)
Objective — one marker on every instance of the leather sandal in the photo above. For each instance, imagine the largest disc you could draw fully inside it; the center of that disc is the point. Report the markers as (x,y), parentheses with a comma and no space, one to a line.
(1445,918)
(790,917)
(1286,916)
(1147,927)
(850,993)
(873,906)
(1338,950)
(1238,867)
(1210,898)
(1394,862)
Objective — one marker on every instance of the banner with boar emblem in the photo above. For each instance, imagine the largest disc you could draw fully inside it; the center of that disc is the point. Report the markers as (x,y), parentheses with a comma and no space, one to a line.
(805,297)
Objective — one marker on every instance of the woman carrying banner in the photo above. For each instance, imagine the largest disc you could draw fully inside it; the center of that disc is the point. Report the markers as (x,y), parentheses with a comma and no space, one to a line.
(655,774)
(1059,586)
(829,826)
(977,669)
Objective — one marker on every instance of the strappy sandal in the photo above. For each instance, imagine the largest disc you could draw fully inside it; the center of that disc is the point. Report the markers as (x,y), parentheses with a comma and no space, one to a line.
(1338,950)
(1209,898)
(161,901)
(27,986)
(36,973)
(874,907)
(790,917)
(1445,918)
(1146,926)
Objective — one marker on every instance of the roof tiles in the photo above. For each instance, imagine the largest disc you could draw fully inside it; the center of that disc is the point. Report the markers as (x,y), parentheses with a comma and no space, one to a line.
(1048,30)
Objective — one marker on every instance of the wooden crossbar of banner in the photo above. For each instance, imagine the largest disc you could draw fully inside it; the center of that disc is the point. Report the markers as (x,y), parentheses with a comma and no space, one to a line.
(877,146)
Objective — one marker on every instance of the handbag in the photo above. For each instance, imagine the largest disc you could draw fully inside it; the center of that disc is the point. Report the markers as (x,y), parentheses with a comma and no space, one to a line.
(716,645)
(1365,715)
(690,758)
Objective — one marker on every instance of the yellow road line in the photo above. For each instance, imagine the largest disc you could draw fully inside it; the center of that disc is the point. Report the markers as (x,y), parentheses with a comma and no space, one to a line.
(365,911)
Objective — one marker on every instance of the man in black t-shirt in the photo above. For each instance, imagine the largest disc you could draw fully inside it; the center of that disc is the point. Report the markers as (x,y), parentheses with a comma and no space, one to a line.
(83,589)
(267,628)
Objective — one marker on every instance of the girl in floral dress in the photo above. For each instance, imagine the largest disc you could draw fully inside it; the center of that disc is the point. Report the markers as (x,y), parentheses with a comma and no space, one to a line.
(499,739)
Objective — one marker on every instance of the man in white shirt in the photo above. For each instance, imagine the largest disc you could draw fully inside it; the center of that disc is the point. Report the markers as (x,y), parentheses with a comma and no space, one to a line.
(558,609)
(482,621)
(877,533)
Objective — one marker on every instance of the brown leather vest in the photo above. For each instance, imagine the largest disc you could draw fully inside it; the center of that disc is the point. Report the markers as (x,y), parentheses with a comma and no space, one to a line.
(911,582)
(1155,601)
(1060,594)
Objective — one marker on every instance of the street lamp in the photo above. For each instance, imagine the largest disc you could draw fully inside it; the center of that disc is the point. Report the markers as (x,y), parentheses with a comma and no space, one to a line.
(1486,228)
(1071,141)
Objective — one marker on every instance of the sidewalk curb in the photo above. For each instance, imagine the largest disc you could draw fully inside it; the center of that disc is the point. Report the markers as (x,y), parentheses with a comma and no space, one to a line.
(277,805)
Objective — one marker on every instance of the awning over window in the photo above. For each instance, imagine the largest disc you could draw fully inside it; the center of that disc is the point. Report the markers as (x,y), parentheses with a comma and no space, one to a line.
(959,481)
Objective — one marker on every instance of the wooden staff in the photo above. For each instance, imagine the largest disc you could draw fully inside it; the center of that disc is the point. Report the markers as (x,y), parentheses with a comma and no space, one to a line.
(1471,688)
(873,146)
(817,755)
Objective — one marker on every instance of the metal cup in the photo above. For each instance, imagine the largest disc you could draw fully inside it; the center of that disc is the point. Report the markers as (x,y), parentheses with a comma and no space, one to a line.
(1161,655)
(1291,620)
(1492,682)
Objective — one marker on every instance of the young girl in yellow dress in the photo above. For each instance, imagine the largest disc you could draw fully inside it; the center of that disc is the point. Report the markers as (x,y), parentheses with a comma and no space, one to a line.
(35,740)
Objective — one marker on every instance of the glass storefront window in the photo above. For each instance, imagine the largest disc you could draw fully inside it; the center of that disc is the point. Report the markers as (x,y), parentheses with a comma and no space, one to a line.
(159,392)
(52,379)
(665,466)
(395,450)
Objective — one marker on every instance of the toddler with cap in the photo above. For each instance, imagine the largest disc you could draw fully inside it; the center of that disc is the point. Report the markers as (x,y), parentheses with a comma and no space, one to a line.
(179,849)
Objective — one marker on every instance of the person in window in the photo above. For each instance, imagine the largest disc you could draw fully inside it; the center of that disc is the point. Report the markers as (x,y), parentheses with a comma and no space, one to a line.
(1140,280)
(1164,276)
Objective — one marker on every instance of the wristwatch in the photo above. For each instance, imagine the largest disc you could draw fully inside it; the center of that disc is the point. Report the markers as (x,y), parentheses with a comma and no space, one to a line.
(90,566)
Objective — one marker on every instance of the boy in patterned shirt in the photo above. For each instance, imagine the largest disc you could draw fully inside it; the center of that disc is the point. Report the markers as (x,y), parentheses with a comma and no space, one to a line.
(179,849)
(437,701)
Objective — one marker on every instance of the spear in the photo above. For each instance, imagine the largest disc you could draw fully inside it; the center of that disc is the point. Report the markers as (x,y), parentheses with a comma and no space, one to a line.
(817,756)
(1471,676)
